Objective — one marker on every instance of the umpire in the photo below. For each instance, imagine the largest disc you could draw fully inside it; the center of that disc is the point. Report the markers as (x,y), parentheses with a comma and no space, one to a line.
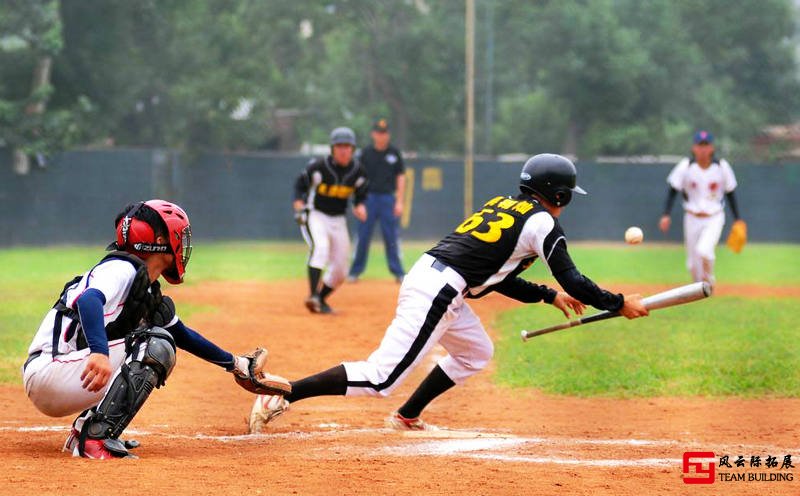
(387,184)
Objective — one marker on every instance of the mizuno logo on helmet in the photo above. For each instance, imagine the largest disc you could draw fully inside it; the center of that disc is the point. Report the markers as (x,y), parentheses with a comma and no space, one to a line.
(146,247)
(525,176)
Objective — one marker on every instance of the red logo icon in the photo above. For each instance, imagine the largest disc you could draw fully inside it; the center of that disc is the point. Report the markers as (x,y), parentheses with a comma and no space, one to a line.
(703,465)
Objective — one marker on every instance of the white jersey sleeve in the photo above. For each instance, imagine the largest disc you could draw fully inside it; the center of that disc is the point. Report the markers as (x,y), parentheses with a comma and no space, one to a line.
(729,178)
(677,176)
(113,278)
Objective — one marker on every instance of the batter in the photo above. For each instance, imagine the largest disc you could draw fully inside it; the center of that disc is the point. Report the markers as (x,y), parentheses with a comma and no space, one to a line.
(485,253)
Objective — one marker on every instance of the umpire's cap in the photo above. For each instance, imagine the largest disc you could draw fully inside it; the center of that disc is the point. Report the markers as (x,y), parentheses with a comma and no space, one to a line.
(551,176)
(343,136)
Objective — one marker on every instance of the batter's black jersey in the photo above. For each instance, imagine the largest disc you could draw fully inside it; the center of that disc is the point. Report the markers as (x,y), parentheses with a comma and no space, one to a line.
(382,168)
(325,186)
(494,245)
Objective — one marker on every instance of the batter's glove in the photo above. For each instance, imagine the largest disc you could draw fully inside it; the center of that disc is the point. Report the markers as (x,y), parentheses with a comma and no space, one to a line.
(737,238)
(301,217)
(249,373)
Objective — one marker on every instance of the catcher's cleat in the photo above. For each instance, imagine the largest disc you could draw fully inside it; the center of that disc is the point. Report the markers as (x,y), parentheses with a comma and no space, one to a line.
(102,449)
(71,444)
(314,304)
(266,408)
(399,423)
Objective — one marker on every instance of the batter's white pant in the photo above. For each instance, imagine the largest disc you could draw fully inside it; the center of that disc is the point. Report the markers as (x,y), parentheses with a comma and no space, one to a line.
(701,235)
(54,385)
(329,246)
(430,310)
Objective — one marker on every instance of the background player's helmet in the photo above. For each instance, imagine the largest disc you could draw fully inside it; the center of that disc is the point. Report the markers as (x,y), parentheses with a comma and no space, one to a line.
(138,237)
(551,176)
(343,136)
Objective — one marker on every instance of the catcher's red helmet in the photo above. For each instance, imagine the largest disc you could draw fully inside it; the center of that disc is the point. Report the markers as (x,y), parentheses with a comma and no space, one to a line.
(137,236)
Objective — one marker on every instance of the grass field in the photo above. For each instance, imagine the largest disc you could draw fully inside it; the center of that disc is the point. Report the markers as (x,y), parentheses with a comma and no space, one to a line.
(723,346)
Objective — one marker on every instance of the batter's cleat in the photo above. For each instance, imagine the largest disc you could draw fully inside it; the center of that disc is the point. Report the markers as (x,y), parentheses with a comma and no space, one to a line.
(325,308)
(266,408)
(399,423)
(313,304)
(103,449)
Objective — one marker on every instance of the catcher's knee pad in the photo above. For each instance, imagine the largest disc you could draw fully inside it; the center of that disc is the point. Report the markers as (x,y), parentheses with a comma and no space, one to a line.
(151,358)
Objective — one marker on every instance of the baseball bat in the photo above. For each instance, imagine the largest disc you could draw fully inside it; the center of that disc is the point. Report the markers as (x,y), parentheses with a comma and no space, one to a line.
(676,296)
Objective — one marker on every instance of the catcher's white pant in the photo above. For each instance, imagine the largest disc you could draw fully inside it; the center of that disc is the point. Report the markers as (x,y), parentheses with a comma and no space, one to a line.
(701,235)
(430,310)
(55,387)
(329,246)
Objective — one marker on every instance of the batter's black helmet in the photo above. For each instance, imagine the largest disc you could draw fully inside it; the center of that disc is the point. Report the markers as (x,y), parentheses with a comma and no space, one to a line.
(343,136)
(551,176)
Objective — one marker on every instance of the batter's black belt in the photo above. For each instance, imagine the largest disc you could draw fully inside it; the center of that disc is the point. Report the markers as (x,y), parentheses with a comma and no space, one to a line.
(33,356)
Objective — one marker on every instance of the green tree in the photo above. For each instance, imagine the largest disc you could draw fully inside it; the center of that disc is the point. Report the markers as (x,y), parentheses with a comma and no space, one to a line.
(30,37)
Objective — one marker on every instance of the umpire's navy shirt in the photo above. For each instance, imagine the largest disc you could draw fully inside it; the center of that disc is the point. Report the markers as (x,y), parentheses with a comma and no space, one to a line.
(382,168)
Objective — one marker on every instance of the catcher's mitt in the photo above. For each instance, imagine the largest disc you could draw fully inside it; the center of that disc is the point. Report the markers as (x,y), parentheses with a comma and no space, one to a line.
(256,380)
(737,238)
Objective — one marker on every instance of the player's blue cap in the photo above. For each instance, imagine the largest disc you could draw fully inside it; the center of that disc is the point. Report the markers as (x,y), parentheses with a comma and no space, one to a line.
(703,137)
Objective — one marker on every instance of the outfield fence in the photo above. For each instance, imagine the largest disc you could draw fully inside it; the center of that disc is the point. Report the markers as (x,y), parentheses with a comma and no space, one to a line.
(74,198)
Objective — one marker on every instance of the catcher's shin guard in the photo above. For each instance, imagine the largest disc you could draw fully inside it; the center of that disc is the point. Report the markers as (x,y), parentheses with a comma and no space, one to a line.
(151,358)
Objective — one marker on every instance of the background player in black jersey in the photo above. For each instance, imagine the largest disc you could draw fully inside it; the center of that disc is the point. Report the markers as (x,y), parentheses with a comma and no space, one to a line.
(321,193)
(485,253)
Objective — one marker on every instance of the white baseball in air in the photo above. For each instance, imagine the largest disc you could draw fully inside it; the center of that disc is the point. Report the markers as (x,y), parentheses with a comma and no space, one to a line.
(633,235)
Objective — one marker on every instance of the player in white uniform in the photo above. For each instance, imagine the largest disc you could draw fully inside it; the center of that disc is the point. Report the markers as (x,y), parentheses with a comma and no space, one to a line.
(486,253)
(321,192)
(704,181)
(112,337)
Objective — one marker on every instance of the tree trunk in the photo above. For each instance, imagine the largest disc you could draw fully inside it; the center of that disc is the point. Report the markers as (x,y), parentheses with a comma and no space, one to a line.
(570,146)
(21,164)
(41,78)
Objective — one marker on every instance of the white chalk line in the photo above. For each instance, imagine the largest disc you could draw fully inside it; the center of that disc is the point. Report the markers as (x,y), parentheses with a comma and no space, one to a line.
(476,444)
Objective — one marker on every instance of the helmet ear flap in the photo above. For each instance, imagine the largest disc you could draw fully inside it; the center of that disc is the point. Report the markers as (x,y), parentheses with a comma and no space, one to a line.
(562,197)
(126,223)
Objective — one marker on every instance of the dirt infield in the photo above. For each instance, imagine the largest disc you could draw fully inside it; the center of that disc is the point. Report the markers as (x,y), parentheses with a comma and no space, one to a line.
(499,440)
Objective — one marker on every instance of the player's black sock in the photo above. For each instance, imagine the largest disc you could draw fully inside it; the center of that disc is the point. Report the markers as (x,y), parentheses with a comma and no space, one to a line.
(435,384)
(325,291)
(313,278)
(332,382)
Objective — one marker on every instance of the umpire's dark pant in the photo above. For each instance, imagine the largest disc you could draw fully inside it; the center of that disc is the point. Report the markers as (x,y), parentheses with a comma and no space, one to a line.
(380,208)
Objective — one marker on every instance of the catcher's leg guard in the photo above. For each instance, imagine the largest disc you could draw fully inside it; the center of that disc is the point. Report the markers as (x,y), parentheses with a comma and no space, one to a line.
(151,358)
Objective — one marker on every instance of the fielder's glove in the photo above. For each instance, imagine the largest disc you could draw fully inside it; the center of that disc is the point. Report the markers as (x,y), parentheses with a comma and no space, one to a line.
(738,236)
(248,371)
(301,217)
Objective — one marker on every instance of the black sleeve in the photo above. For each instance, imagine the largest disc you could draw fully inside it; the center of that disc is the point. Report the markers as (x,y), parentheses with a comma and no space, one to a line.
(732,202)
(525,291)
(361,189)
(400,166)
(585,290)
(303,182)
(670,200)
(578,286)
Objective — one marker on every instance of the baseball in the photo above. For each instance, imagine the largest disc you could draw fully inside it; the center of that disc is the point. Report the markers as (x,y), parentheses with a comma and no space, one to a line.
(633,235)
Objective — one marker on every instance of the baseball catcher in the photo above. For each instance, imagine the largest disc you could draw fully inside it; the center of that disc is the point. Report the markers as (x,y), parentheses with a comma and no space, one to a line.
(112,337)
